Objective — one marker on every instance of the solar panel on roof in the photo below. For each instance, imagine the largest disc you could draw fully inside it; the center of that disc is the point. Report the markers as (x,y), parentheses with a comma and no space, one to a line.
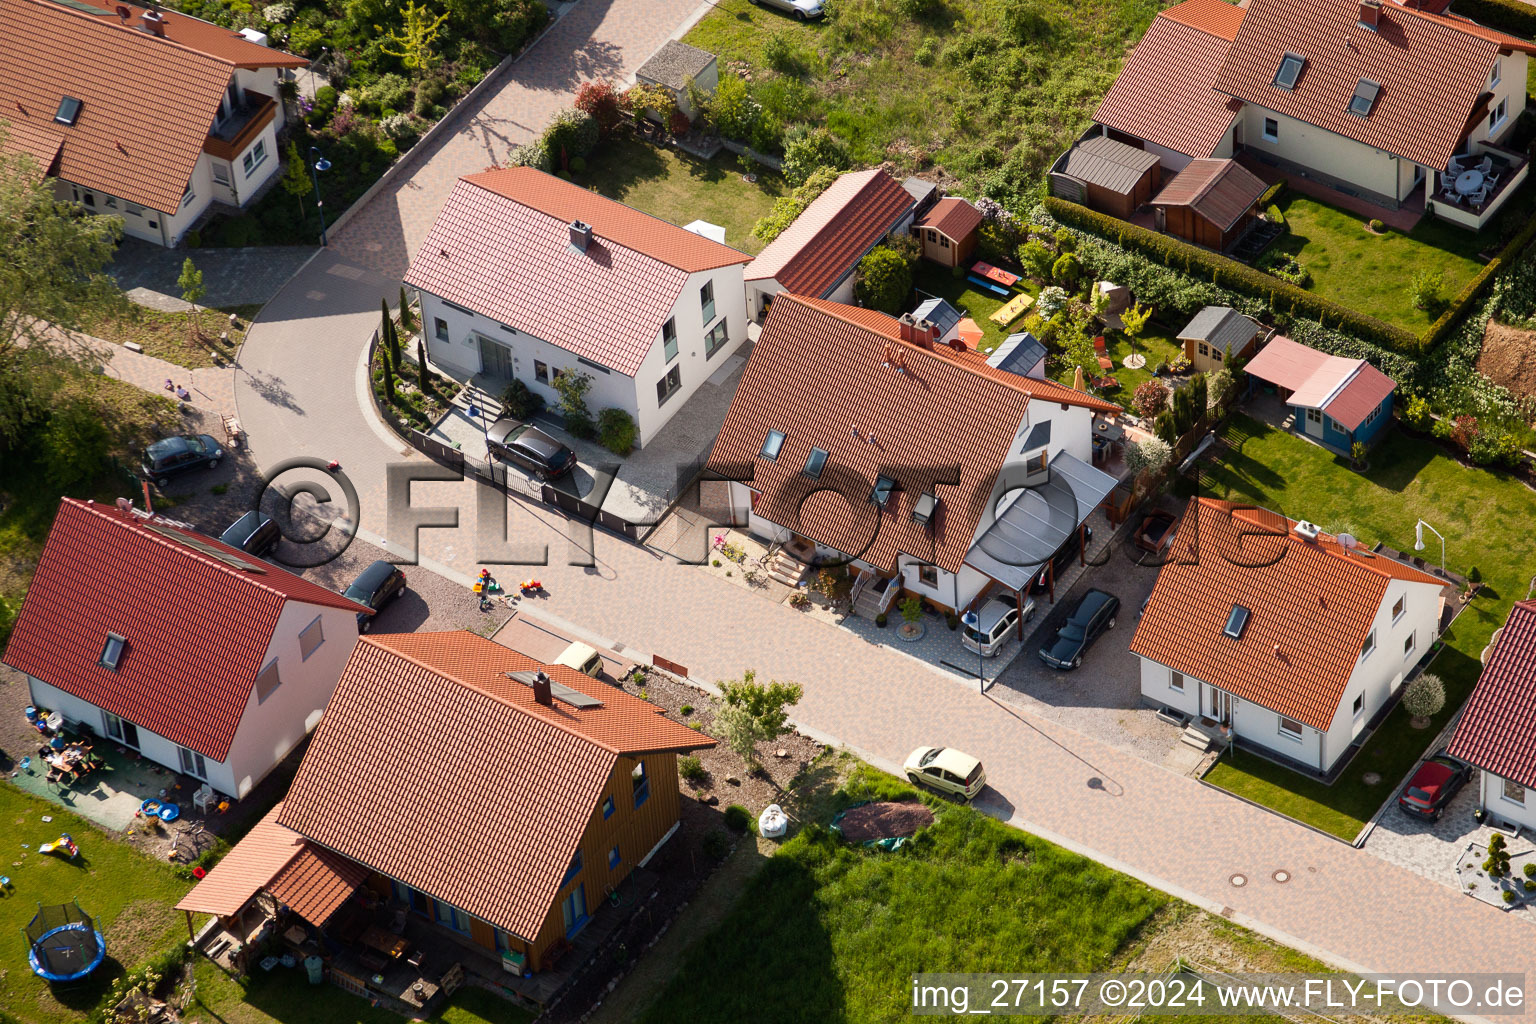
(230,559)
(572,696)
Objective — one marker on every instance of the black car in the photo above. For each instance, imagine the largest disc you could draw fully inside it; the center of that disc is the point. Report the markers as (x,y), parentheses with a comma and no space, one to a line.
(530,448)
(1060,560)
(1434,785)
(1094,614)
(252,532)
(173,456)
(375,587)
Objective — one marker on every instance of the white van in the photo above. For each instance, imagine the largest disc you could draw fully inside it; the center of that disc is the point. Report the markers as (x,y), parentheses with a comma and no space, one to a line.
(583,659)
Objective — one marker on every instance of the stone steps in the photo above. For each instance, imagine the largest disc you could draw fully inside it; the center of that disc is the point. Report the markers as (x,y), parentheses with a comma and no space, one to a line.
(786,569)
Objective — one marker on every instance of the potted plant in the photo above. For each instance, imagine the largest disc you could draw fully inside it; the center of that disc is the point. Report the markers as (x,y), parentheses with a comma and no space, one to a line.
(912,612)
(881,620)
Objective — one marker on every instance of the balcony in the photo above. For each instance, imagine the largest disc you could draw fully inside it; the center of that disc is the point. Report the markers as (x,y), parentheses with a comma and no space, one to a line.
(230,137)
(1484,178)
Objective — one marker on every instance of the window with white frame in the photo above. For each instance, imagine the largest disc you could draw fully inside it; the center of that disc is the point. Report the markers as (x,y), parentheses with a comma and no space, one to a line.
(541,371)
(1513,791)
(1271,130)
(254,157)
(311,639)
(1359,706)
(1290,729)
(1408,645)
(1498,115)
(928,575)
(1400,607)
(220,171)
(1176,681)
(1498,70)
(192,764)
(440,328)
(1314,415)
(1369,645)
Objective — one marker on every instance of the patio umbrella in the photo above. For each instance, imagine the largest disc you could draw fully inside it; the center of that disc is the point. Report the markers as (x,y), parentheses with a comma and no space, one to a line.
(970,333)
(1077,379)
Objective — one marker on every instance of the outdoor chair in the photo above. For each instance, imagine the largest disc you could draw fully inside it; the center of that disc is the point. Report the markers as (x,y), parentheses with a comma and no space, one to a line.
(1454,168)
(1486,165)
(1479,197)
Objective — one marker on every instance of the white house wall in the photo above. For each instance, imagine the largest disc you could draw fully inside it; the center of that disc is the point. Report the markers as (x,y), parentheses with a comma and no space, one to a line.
(1254,724)
(1157,688)
(1513,68)
(955,591)
(1502,808)
(270,729)
(1319,149)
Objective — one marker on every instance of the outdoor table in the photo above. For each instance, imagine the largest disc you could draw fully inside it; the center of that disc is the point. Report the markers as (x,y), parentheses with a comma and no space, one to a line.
(388,943)
(1109,431)
(1468,182)
(992,273)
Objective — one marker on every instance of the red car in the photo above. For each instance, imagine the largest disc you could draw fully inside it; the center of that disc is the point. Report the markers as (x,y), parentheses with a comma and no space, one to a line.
(1433,786)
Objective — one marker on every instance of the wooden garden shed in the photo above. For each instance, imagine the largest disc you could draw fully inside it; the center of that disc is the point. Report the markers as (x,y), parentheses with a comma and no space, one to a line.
(1210,203)
(1106,175)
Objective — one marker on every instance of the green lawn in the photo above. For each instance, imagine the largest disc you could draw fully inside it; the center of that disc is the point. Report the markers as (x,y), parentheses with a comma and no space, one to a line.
(131,897)
(1371,273)
(979,305)
(830,932)
(1157,345)
(679,188)
(993,92)
(1477,510)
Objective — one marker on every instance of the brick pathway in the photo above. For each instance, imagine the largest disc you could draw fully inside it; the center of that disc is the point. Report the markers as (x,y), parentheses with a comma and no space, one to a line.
(595,40)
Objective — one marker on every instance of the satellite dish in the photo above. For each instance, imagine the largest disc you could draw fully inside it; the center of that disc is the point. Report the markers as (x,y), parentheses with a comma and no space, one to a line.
(1347,541)
(125,504)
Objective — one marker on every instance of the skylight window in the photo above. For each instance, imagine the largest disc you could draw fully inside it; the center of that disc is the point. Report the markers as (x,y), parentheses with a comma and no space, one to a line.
(1290,70)
(69,110)
(926,506)
(882,493)
(815,463)
(772,444)
(1364,98)
(1236,622)
(112,651)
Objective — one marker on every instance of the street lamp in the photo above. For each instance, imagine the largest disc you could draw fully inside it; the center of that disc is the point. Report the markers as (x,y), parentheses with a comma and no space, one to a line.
(318,163)
(1418,541)
(973,621)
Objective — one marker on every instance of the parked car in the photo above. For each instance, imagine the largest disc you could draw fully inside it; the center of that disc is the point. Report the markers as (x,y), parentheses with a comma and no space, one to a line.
(1433,786)
(801,9)
(1156,531)
(253,533)
(173,456)
(993,622)
(1094,614)
(529,447)
(946,770)
(1061,559)
(375,587)
(583,658)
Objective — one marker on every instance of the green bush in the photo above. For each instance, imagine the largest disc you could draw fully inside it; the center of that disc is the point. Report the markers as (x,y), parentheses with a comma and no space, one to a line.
(997,240)
(1510,16)
(787,208)
(388,92)
(783,55)
(429,94)
(616,431)
(515,23)
(737,818)
(324,105)
(1225,273)
(1273,214)
(1066,271)
(1272,194)
(927,52)
(571,133)
(1474,288)
(1377,225)
(1036,259)
(520,401)
(883,281)
(881,620)
(530,154)
(715,845)
(1425,291)
(578,165)
(690,768)
(807,150)
(735,112)
(687,709)
(1416,413)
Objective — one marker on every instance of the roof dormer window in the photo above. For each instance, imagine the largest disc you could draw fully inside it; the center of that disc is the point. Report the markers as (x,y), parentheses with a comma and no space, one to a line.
(112,651)
(69,110)
(927,505)
(1290,70)
(1365,98)
(815,463)
(771,445)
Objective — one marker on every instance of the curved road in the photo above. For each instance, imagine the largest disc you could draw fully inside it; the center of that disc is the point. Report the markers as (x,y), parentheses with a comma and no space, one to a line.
(300,392)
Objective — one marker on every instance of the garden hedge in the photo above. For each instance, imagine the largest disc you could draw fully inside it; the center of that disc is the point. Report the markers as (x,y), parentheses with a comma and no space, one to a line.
(1474,288)
(1510,16)
(1223,272)
(1271,195)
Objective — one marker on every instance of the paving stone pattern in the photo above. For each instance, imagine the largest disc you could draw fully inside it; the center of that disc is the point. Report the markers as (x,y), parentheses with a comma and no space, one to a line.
(232,277)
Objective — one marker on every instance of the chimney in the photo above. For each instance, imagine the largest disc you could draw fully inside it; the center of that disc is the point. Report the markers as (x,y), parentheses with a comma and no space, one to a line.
(154,23)
(926,334)
(1305,530)
(1370,14)
(541,690)
(581,235)
(908,326)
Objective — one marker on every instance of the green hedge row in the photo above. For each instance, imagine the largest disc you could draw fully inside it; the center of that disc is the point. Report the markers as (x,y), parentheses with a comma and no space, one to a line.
(1272,194)
(1223,272)
(1474,288)
(1512,16)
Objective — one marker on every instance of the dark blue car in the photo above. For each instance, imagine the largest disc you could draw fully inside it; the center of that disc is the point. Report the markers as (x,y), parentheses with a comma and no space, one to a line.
(1094,614)
(375,587)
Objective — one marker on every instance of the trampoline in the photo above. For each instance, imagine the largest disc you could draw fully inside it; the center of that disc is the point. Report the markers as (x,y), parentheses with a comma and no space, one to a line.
(65,944)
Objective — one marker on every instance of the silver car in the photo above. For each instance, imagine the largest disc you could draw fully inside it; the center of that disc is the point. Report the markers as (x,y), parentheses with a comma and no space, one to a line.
(989,632)
(801,9)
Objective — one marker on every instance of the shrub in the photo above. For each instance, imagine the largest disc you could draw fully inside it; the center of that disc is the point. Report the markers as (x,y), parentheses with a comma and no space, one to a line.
(1148,456)
(1272,194)
(398,128)
(514,23)
(919,9)
(578,165)
(520,401)
(616,431)
(324,105)
(1416,413)
(571,132)
(734,111)
(1425,696)
(997,240)
(690,768)
(678,122)
(1464,431)
(1066,241)
(927,52)
(1377,225)
(737,818)
(808,149)
(1036,259)
(787,208)
(1494,448)
(883,280)
(599,101)
(1066,270)
(715,845)
(1286,267)
(687,709)
(1510,16)
(429,93)
(1509,896)
(781,54)
(1150,399)
(1051,300)
(1529,870)
(388,92)
(573,388)
(881,620)
(530,154)
(643,99)
(1274,216)
(1426,290)
(1024,22)
(1358,451)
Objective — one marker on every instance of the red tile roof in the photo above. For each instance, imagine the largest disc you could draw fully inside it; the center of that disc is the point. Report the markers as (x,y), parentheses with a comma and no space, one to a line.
(316,882)
(432,767)
(1431,70)
(1363,394)
(952,216)
(1311,599)
(40,143)
(1346,389)
(1164,92)
(1221,191)
(197,628)
(816,374)
(832,234)
(501,246)
(139,142)
(216,41)
(1497,730)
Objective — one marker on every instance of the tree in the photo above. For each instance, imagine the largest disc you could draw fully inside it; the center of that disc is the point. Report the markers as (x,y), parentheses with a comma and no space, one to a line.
(573,388)
(407,320)
(1148,455)
(884,280)
(423,375)
(1425,696)
(1151,398)
(808,149)
(616,430)
(733,109)
(1067,270)
(1134,321)
(414,40)
(191,284)
(751,713)
(295,175)
(1036,259)
(600,101)
(387,334)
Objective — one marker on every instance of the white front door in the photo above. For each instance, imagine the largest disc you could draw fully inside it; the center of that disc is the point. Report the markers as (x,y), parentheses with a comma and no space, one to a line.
(1314,421)
(1218,705)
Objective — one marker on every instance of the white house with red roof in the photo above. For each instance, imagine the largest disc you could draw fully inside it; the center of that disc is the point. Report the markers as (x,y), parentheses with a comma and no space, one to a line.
(1268,632)
(1335,401)
(858,438)
(1497,730)
(197,126)
(527,276)
(1390,102)
(817,254)
(202,658)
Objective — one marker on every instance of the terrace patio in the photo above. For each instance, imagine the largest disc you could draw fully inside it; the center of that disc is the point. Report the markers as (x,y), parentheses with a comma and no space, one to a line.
(1474,186)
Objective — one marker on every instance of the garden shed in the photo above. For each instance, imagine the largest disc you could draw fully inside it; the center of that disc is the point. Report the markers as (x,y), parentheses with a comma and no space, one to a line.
(1216,335)
(676,64)
(948,232)
(1210,203)
(1105,175)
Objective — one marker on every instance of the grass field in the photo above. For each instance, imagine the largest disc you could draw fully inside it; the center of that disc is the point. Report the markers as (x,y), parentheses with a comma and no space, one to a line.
(993,90)
(1370,272)
(166,335)
(1408,479)
(932,279)
(679,188)
(830,932)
